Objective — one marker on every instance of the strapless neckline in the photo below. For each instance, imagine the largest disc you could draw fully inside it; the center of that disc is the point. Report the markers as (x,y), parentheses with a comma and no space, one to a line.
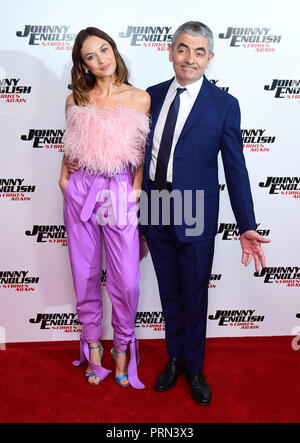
(107,110)
(106,140)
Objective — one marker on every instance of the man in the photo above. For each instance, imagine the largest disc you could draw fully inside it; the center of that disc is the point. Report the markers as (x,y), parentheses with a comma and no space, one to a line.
(192,120)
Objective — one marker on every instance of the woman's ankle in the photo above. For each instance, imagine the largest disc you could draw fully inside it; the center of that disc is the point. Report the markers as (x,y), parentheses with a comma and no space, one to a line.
(95,352)
(121,360)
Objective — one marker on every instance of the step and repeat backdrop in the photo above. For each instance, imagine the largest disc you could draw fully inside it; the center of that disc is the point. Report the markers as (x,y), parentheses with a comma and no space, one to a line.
(256,60)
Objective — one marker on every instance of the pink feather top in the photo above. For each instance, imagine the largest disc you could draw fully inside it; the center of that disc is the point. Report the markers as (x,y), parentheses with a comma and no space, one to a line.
(108,141)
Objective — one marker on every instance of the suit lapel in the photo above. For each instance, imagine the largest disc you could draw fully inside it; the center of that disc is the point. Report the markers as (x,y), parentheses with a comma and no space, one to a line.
(195,114)
(157,101)
(197,111)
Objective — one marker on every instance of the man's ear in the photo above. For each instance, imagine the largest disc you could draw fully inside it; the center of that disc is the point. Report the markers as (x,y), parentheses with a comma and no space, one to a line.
(210,58)
(170,52)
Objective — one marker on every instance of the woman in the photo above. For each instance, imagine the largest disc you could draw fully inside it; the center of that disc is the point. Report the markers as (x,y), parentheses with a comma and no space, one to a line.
(107,126)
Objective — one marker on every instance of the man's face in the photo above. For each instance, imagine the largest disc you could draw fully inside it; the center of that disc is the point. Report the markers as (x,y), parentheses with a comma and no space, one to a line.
(190,57)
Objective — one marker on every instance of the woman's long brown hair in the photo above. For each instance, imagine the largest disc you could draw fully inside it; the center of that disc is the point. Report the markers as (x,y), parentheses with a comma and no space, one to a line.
(82,83)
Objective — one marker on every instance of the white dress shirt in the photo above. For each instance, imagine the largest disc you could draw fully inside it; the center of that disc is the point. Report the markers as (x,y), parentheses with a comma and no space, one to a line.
(187,100)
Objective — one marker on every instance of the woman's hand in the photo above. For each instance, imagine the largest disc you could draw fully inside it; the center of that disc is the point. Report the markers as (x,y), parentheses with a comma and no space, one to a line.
(72,165)
(137,183)
(137,192)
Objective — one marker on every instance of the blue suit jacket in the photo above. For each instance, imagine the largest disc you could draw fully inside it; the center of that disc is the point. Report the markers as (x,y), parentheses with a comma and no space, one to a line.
(213,125)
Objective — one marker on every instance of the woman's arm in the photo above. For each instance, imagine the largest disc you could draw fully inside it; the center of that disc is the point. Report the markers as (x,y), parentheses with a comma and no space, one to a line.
(143,104)
(64,173)
(64,177)
(137,182)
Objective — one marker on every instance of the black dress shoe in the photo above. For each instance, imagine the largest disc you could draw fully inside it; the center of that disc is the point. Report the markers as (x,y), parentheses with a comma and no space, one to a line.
(200,390)
(168,378)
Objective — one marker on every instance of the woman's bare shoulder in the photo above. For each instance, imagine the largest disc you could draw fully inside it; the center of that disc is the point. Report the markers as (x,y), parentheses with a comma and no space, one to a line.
(140,99)
(70,101)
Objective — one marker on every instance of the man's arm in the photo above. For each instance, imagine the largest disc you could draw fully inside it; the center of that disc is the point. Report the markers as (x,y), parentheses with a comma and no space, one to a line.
(238,184)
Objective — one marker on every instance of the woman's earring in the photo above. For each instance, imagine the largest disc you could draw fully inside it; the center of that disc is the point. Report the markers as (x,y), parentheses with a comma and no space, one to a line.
(86,70)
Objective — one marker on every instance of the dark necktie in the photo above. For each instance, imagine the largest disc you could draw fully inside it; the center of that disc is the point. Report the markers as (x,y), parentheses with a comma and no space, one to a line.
(166,143)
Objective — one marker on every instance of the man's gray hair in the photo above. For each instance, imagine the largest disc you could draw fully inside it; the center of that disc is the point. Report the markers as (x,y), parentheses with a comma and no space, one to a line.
(195,28)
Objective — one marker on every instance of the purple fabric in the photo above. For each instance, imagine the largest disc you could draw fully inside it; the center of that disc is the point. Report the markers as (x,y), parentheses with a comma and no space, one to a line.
(99,371)
(88,199)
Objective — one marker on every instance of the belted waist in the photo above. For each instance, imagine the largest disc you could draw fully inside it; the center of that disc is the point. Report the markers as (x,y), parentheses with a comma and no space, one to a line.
(99,182)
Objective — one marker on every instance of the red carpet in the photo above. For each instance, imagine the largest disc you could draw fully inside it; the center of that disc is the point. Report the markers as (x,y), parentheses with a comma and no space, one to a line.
(252,380)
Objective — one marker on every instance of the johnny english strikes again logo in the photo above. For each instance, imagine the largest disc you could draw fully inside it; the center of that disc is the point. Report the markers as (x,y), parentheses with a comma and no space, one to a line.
(282,185)
(255,140)
(14,189)
(214,278)
(11,91)
(289,89)
(68,322)
(289,276)
(18,280)
(153,320)
(230,231)
(49,234)
(224,88)
(45,35)
(147,35)
(103,277)
(45,138)
(251,37)
(241,318)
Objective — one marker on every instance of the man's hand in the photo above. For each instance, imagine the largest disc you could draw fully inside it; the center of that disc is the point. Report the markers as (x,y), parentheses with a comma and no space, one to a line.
(72,166)
(251,248)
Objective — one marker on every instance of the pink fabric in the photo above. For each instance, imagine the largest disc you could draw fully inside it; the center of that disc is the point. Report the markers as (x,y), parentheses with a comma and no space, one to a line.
(106,141)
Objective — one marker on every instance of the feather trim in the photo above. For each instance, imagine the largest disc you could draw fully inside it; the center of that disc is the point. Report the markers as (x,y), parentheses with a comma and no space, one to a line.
(106,142)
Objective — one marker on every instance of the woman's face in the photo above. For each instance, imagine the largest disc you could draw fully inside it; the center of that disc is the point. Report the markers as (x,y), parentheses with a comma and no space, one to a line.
(98,56)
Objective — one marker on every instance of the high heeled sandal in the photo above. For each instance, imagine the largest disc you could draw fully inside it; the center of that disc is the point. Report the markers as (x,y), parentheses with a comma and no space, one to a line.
(89,374)
(121,377)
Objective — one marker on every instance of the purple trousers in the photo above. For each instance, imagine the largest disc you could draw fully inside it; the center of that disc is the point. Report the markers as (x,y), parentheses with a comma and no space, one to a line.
(97,210)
